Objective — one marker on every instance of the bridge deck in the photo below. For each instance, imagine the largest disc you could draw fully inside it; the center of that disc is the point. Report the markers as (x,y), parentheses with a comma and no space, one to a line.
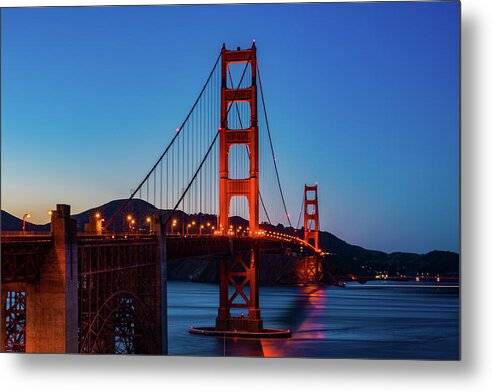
(22,253)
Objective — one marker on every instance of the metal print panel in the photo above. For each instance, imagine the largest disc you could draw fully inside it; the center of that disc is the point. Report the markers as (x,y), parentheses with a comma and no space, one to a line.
(272,180)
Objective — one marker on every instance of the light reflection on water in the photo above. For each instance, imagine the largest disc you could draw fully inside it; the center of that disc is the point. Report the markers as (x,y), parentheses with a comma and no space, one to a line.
(397,320)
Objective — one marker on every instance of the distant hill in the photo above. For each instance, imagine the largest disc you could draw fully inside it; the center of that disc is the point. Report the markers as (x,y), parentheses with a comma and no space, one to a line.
(345,259)
(349,259)
(9,222)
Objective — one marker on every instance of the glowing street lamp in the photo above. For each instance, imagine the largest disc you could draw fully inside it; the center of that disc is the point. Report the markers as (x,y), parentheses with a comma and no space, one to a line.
(129,219)
(201,228)
(96,223)
(175,222)
(149,221)
(24,219)
(188,229)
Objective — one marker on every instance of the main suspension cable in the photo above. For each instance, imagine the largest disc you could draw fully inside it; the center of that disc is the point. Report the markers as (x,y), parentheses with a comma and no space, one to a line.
(247,147)
(178,132)
(300,213)
(271,145)
(206,155)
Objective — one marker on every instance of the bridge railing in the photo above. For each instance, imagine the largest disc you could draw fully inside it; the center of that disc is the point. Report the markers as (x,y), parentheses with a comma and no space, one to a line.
(267,234)
(24,233)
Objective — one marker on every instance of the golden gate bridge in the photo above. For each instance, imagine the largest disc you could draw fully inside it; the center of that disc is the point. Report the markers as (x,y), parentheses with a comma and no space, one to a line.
(104,290)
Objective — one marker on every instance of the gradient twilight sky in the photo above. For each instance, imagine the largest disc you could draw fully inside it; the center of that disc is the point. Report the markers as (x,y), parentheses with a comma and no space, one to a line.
(363,99)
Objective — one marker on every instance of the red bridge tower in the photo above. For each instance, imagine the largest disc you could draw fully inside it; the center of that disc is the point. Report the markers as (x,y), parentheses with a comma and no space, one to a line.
(239,308)
(311,215)
(247,187)
(240,269)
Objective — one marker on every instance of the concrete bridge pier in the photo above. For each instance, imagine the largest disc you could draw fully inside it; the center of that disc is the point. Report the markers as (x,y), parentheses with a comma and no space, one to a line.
(51,301)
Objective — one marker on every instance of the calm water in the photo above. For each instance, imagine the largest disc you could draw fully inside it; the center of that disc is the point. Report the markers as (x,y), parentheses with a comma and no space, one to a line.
(375,320)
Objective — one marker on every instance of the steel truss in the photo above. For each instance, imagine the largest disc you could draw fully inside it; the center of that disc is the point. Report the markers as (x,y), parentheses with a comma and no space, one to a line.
(309,270)
(15,321)
(119,297)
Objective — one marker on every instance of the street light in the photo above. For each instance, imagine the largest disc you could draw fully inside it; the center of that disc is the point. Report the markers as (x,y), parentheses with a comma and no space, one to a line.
(201,228)
(149,221)
(96,223)
(188,229)
(24,218)
(175,221)
(129,220)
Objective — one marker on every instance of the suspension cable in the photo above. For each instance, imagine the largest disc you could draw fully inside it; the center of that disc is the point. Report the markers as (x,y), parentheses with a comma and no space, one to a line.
(264,208)
(247,147)
(193,179)
(271,145)
(206,155)
(178,132)
(300,213)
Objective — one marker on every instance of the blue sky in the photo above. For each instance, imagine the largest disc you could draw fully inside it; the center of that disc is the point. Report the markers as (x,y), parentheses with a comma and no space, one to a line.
(363,99)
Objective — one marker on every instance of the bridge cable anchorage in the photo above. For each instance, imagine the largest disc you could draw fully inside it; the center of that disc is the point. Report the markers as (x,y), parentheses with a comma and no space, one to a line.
(206,154)
(271,145)
(168,147)
(247,147)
